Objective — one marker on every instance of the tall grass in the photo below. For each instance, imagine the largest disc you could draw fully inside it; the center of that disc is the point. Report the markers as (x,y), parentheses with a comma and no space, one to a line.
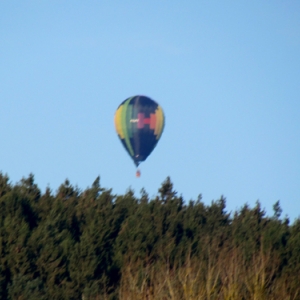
(213,276)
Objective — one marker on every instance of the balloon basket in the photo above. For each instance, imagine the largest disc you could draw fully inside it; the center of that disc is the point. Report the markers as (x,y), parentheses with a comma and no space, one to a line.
(138,173)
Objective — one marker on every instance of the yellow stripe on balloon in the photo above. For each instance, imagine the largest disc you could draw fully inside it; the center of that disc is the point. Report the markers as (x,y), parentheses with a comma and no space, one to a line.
(118,122)
(159,122)
(162,123)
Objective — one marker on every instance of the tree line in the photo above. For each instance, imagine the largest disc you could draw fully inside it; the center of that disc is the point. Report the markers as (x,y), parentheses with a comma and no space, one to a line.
(93,244)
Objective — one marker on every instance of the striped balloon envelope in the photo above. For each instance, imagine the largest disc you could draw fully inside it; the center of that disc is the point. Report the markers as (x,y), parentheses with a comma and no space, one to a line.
(139,122)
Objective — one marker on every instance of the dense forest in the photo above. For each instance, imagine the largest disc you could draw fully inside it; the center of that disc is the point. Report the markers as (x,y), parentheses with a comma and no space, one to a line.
(91,244)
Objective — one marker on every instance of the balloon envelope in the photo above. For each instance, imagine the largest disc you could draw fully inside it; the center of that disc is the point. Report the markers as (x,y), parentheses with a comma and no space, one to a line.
(139,122)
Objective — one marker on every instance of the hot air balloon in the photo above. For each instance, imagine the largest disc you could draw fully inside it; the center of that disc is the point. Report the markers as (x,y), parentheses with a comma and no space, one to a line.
(139,122)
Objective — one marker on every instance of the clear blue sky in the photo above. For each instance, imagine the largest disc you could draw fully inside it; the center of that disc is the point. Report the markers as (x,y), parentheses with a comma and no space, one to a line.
(227,74)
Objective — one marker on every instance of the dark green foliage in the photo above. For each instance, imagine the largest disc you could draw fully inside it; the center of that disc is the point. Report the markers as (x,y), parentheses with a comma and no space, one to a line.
(23,287)
(80,244)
